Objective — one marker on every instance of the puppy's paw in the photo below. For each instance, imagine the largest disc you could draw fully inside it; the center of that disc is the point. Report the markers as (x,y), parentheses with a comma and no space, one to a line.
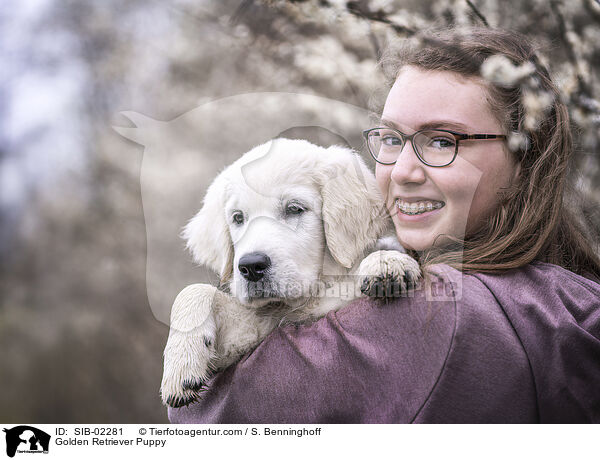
(178,397)
(186,370)
(388,274)
(190,350)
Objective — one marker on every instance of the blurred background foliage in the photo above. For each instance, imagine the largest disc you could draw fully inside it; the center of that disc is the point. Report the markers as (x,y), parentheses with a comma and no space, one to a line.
(79,340)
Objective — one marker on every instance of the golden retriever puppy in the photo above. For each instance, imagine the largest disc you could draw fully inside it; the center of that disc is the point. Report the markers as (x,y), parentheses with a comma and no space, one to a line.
(287,227)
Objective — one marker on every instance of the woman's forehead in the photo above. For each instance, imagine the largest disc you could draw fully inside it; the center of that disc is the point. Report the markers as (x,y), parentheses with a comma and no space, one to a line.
(423,98)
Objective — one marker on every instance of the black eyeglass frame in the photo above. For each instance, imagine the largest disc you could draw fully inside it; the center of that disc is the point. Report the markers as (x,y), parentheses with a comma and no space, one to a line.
(405,138)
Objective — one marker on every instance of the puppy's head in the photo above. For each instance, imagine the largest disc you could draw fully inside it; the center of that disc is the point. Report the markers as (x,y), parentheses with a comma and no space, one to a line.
(268,219)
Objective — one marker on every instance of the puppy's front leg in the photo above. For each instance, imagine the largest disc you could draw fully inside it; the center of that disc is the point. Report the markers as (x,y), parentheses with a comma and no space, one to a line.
(210,330)
(190,349)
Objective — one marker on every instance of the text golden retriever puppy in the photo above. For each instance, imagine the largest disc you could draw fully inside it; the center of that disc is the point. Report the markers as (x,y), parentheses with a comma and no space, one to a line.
(287,227)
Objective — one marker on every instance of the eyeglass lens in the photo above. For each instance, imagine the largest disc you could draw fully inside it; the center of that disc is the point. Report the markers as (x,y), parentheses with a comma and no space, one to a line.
(436,148)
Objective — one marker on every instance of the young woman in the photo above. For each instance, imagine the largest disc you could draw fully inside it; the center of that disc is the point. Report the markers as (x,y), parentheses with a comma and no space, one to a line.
(516,337)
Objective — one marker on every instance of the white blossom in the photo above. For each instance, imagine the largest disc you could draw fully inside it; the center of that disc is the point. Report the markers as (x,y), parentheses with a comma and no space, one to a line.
(566,80)
(386,6)
(535,104)
(340,4)
(461,12)
(408,19)
(517,141)
(500,70)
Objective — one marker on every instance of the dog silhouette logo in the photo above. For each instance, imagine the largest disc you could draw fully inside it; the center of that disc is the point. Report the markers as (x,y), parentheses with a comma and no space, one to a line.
(182,156)
(28,439)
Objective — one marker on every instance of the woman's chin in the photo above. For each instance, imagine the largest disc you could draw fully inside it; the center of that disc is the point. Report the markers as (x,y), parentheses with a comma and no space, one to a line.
(415,244)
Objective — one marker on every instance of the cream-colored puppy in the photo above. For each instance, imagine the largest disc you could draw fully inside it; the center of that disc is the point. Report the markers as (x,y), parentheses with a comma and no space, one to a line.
(287,227)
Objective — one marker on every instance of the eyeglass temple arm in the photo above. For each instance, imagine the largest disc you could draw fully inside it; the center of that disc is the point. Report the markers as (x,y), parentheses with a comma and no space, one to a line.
(482,136)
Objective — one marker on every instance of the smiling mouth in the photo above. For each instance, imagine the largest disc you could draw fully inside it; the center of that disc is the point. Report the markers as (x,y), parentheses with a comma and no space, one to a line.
(419,207)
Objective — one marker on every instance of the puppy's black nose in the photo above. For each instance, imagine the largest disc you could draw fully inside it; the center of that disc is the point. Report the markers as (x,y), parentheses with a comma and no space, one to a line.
(253,266)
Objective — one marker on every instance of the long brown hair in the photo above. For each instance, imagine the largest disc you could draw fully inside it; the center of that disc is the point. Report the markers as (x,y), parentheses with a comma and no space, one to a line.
(533,221)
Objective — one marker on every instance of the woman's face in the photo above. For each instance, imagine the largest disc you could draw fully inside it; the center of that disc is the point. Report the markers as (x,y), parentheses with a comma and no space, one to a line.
(468,189)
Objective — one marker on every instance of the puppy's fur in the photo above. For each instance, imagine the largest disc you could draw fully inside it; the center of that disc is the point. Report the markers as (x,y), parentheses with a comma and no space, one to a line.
(310,215)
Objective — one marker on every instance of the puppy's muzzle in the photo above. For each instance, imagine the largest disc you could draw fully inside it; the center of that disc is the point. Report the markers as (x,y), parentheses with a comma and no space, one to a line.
(254,265)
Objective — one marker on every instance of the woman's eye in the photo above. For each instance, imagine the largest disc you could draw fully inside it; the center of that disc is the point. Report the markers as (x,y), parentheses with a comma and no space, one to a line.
(442,143)
(237,217)
(391,140)
(293,209)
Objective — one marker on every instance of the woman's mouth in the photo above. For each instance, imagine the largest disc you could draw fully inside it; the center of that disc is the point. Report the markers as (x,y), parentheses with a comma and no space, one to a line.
(418,207)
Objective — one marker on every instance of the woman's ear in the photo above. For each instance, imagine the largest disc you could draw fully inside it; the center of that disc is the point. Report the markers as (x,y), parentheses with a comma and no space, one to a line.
(207,234)
(353,211)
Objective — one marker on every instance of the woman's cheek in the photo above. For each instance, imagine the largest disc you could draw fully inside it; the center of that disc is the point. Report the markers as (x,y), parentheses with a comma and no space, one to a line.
(382,177)
(463,189)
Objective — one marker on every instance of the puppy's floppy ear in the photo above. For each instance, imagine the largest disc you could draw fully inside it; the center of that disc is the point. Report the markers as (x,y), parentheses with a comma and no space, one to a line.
(353,209)
(207,234)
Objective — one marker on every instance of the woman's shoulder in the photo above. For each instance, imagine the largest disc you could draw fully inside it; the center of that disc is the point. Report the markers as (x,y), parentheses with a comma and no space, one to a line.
(455,336)
(556,315)
(536,277)
(548,294)
(540,276)
(537,290)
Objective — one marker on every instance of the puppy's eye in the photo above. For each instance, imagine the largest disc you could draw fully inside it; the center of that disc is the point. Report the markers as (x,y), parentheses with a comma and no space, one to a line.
(237,217)
(294,209)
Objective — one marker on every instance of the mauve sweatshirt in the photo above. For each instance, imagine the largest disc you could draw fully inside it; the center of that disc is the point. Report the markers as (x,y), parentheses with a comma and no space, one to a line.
(520,347)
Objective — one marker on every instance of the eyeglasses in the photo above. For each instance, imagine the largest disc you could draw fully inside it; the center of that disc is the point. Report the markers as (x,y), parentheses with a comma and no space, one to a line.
(434,147)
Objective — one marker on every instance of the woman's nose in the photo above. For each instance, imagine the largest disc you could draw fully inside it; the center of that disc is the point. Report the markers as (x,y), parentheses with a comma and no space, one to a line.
(408,168)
